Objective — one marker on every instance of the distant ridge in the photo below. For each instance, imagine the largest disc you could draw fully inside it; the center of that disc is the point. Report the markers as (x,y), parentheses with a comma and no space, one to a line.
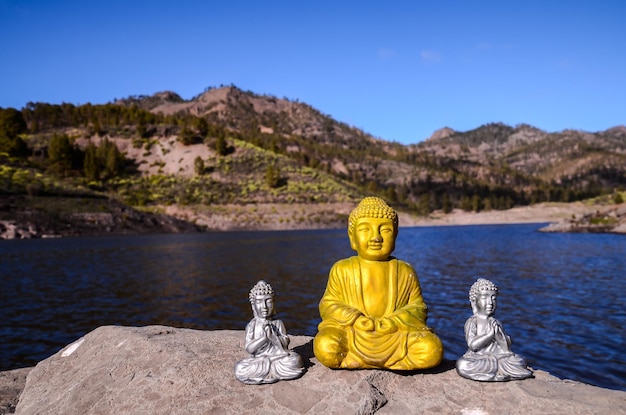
(227,145)
(441,133)
(152,101)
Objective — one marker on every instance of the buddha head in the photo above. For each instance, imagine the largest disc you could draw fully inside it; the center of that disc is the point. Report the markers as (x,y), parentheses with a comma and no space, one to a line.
(262,300)
(372,229)
(482,296)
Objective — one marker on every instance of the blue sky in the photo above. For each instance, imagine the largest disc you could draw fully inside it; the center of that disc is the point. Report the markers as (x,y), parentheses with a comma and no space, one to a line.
(398,69)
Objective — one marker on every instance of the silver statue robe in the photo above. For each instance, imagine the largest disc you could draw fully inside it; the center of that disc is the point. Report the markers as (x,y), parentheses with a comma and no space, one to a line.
(492,362)
(270,360)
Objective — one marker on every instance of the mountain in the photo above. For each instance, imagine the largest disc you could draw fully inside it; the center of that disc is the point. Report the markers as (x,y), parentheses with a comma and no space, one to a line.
(570,160)
(292,126)
(515,165)
(441,134)
(150,102)
(230,146)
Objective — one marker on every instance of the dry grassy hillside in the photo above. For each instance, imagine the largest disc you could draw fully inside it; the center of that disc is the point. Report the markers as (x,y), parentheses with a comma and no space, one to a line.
(230,147)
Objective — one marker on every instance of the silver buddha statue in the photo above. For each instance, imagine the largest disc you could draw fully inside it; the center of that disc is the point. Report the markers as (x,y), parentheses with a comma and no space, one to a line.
(267,342)
(489,357)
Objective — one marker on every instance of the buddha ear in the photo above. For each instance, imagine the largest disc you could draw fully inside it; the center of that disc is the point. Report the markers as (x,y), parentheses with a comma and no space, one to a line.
(352,241)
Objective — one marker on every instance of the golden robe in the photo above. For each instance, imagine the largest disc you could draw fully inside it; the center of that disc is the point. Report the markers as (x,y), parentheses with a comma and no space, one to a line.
(395,301)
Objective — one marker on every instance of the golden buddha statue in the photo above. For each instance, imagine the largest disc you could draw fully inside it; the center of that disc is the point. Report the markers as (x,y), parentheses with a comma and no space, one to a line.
(373,313)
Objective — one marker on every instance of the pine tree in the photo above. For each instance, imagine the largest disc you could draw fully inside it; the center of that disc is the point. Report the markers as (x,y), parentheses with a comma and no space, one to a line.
(487,205)
(476,205)
(423,206)
(272,176)
(198,165)
(445,203)
(91,164)
(113,161)
(141,129)
(186,136)
(202,126)
(466,203)
(60,153)
(14,146)
(220,145)
(11,123)
(110,160)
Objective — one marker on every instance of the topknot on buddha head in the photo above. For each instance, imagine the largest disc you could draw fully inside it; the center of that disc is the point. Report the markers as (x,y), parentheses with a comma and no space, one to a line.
(481,284)
(372,207)
(261,289)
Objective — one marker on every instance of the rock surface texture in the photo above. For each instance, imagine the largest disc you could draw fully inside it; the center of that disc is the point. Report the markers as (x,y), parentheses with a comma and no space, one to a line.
(165,370)
(11,385)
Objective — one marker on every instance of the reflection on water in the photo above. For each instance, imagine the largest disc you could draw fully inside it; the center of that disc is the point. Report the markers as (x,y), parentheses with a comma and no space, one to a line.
(559,293)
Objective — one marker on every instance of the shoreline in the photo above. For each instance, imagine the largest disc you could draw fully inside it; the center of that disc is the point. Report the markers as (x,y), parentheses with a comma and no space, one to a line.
(285,217)
(299,216)
(540,213)
(334,216)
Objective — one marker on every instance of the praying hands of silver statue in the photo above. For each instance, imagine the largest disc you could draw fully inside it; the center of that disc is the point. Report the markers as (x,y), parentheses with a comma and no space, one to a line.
(494,333)
(271,337)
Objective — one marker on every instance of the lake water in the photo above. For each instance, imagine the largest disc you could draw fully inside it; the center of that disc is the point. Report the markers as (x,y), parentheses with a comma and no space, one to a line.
(561,295)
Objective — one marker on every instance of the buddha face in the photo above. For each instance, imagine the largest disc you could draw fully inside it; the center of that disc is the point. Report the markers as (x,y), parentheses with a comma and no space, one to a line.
(373,239)
(263,306)
(486,302)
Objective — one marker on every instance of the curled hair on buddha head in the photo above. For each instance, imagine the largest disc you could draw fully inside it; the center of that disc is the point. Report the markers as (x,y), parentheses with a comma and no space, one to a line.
(481,284)
(372,207)
(261,288)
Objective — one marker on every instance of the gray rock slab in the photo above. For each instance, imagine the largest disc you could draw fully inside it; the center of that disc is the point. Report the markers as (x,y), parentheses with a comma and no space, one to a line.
(165,370)
(11,385)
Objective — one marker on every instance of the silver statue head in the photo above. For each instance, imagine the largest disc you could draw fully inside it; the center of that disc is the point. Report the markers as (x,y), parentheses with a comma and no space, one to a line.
(482,296)
(261,288)
(262,300)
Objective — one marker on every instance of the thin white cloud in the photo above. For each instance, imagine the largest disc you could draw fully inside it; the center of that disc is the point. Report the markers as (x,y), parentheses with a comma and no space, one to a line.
(482,49)
(430,56)
(385,54)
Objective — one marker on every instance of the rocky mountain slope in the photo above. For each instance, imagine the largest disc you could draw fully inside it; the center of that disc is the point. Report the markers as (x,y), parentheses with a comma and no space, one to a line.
(227,146)
(502,165)
(567,157)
